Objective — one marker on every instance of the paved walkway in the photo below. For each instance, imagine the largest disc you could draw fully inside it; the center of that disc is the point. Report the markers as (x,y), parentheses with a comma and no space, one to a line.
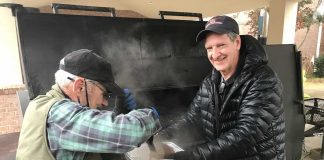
(310,144)
(313,92)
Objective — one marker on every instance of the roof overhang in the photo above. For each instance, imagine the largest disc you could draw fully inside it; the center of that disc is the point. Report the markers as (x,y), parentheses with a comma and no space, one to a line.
(151,8)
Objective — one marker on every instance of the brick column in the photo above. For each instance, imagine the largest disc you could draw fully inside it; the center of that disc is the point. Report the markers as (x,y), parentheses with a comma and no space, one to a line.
(10,113)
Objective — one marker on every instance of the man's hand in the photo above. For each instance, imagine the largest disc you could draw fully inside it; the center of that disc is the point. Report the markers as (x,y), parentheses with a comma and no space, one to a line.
(129,101)
(125,103)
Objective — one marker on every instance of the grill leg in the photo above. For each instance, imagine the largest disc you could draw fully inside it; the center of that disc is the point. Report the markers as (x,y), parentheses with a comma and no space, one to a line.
(322,149)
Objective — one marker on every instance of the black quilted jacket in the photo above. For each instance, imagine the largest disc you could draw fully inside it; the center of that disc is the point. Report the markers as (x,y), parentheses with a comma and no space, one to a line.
(249,124)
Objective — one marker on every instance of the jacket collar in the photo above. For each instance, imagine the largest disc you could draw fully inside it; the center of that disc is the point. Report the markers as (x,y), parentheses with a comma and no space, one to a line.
(55,92)
(254,51)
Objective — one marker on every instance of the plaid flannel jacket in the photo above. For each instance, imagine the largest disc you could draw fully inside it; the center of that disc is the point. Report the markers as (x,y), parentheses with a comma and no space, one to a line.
(73,130)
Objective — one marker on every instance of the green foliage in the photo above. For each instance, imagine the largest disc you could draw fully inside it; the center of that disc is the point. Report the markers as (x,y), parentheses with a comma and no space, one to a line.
(304,18)
(306,96)
(305,14)
(319,66)
(320,18)
(302,3)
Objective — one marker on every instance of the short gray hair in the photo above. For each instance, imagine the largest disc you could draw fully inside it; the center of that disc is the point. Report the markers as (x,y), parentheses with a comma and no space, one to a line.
(232,36)
(63,78)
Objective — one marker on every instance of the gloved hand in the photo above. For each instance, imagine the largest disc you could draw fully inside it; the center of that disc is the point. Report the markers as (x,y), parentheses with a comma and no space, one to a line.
(125,103)
(129,101)
(156,113)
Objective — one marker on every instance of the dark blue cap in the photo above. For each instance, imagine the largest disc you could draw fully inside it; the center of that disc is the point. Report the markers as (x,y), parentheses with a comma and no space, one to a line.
(219,24)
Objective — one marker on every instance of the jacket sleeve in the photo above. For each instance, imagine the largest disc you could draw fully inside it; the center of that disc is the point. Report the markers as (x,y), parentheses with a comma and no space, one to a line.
(259,106)
(187,128)
(79,128)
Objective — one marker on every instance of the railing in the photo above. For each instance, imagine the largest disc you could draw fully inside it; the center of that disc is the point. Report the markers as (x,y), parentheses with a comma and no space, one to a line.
(314,115)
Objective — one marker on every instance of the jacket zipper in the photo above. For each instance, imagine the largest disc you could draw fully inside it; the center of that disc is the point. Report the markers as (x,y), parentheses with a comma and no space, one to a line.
(216,112)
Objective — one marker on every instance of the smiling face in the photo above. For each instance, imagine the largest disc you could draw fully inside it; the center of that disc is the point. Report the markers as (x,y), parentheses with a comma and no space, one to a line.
(223,53)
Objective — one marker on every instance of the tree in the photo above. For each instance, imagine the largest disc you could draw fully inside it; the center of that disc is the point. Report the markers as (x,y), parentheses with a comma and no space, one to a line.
(319,66)
(305,16)
(253,22)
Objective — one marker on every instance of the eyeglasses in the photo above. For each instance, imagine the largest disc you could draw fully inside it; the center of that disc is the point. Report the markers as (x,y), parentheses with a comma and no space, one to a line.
(105,94)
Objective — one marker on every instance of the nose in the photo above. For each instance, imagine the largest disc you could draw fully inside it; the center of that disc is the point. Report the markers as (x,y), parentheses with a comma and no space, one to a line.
(214,52)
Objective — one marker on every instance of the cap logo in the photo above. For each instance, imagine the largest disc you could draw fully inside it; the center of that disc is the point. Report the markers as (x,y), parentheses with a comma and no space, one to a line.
(213,21)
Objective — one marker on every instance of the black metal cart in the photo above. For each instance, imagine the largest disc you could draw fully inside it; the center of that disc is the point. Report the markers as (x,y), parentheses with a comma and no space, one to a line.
(314,115)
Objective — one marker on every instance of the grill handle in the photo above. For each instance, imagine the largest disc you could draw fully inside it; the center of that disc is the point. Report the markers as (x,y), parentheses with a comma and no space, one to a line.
(57,6)
(186,14)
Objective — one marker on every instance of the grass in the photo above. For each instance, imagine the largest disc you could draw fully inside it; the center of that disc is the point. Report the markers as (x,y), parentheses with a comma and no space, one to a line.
(316,83)
(314,87)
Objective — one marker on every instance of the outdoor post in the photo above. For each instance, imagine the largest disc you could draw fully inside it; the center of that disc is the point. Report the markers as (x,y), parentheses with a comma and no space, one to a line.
(320,11)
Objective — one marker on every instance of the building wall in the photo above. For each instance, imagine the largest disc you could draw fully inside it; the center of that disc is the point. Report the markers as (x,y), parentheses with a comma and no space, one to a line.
(10,113)
(322,43)
(308,49)
(9,53)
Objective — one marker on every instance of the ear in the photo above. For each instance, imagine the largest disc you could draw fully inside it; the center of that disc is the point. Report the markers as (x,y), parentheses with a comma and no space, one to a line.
(78,85)
(238,42)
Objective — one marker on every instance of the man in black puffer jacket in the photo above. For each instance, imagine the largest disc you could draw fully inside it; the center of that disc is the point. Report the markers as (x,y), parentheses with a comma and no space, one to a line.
(238,108)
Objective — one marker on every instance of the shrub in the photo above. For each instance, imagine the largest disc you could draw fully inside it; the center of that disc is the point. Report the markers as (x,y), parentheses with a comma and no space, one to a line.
(319,66)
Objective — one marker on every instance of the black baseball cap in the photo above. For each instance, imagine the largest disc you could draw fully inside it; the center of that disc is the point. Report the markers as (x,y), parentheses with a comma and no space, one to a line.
(219,24)
(87,64)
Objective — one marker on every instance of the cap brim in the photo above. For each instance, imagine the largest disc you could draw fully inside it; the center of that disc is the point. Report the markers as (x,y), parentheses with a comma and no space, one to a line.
(114,88)
(202,34)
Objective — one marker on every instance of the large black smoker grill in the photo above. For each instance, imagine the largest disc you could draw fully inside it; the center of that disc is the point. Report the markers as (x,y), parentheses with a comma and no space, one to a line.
(157,59)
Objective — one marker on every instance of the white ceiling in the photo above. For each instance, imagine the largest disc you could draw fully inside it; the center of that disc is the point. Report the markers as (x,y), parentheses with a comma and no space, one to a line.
(151,8)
